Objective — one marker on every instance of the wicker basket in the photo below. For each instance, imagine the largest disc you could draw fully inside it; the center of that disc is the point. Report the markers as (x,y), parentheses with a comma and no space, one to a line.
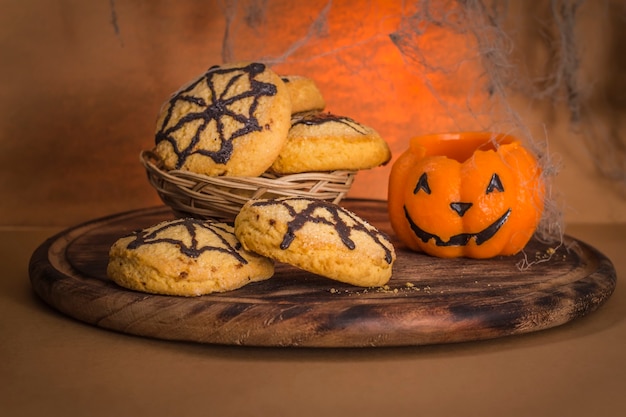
(202,196)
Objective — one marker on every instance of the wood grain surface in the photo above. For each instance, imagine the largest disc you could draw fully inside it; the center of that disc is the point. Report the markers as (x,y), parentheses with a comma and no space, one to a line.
(428,300)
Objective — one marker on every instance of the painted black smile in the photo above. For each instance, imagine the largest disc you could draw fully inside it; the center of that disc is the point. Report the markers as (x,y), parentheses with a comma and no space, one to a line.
(463,238)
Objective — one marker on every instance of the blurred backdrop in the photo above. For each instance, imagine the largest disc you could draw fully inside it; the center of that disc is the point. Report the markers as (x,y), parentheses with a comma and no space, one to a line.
(82,82)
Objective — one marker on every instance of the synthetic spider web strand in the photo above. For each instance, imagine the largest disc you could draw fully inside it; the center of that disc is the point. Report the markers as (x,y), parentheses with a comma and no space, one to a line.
(405,39)
(495,48)
(525,263)
(600,138)
(254,17)
(600,129)
(564,13)
(462,20)
(557,29)
(229,10)
(316,29)
(606,146)
(484,22)
(561,82)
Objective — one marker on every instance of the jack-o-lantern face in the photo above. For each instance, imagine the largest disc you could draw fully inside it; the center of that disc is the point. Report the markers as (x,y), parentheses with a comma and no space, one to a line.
(467,194)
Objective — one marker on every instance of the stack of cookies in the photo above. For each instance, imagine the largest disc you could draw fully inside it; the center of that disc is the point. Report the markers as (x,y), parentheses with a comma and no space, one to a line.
(241,132)
(243,121)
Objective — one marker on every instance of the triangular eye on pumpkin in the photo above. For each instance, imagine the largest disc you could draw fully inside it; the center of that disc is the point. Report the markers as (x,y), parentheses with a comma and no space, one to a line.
(486,226)
(422,184)
(495,184)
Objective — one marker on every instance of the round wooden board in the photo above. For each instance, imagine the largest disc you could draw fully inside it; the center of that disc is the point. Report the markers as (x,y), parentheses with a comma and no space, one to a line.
(427,301)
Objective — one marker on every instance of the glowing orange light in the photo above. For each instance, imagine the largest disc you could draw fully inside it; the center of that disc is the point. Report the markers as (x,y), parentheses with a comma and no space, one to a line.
(377,62)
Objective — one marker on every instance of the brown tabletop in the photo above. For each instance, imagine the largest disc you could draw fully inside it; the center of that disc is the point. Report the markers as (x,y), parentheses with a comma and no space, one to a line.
(54,365)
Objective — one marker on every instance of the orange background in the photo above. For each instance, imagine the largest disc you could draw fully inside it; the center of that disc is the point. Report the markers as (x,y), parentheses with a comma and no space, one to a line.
(82,83)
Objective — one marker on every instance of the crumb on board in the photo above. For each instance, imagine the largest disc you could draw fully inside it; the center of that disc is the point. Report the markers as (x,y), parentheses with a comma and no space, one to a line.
(405,289)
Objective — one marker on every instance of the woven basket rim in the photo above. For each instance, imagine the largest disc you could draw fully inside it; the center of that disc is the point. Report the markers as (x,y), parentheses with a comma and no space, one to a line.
(151,159)
(190,193)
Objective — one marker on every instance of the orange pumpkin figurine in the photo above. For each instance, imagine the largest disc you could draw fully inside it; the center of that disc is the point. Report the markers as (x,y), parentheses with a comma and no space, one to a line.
(471,194)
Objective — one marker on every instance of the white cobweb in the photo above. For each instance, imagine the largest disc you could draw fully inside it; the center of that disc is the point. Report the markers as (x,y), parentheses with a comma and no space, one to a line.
(483,34)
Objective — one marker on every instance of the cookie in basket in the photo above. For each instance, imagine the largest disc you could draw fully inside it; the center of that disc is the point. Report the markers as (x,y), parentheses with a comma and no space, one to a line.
(233,120)
(185,257)
(317,236)
(325,142)
(305,96)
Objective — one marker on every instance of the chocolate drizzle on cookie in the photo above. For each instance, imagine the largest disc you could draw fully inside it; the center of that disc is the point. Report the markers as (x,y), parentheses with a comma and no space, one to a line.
(343,221)
(316,119)
(153,236)
(215,109)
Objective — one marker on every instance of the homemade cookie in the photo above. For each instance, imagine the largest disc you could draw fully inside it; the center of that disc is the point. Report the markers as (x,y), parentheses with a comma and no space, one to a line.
(317,236)
(187,257)
(233,120)
(305,96)
(326,142)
